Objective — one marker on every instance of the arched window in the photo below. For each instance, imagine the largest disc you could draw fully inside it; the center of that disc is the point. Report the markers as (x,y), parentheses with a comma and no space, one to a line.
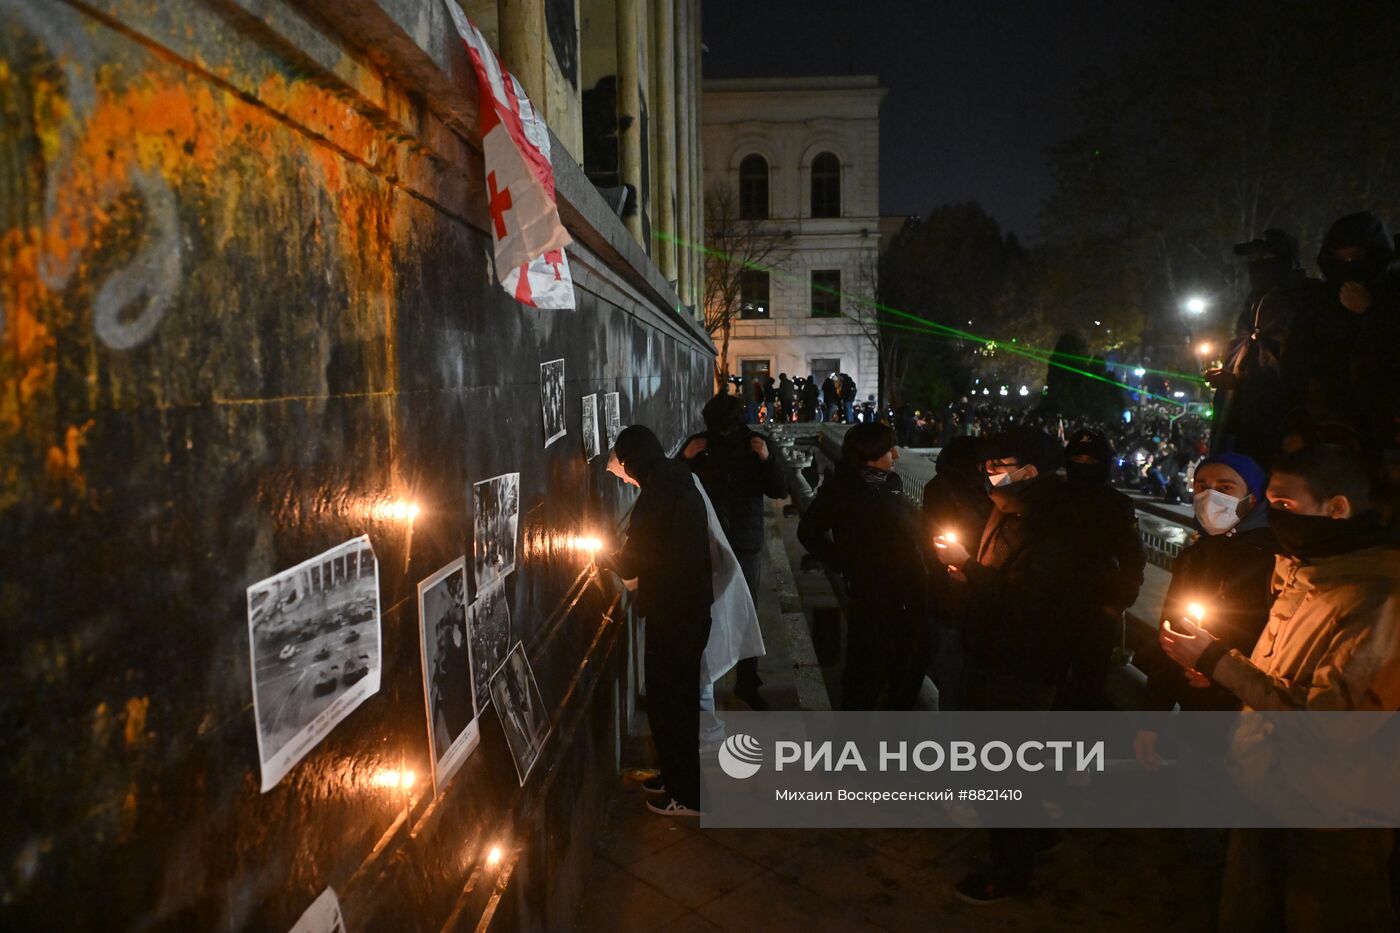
(826,186)
(753,188)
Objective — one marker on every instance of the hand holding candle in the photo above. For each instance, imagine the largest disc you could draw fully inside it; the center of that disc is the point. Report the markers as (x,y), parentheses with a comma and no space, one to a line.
(949,550)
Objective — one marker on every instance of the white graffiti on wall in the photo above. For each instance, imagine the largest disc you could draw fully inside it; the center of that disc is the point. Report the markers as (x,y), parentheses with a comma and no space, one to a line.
(153,274)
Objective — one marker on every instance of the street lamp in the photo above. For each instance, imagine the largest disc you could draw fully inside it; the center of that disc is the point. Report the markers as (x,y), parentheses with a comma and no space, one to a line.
(1195,305)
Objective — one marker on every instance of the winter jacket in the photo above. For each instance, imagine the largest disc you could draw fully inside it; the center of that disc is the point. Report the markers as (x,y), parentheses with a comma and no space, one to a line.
(1279,356)
(1107,524)
(1229,574)
(1026,601)
(870,534)
(1332,640)
(668,544)
(736,481)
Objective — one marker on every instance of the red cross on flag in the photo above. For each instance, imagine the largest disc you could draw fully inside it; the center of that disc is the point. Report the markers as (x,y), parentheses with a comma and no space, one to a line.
(525,227)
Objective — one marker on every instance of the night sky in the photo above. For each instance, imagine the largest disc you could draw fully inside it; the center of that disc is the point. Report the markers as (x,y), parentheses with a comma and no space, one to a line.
(978,89)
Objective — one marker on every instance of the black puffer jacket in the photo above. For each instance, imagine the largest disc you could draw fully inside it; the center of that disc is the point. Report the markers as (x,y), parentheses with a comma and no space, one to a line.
(736,481)
(870,534)
(1229,574)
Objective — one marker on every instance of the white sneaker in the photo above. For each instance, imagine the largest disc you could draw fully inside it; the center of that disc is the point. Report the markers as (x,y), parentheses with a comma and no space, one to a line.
(672,807)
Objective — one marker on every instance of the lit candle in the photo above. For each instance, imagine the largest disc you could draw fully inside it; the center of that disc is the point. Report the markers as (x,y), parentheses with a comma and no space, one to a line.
(1196,612)
(493,858)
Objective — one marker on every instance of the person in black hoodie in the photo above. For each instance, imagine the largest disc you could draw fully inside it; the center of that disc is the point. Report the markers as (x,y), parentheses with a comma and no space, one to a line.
(668,552)
(1266,369)
(1356,260)
(859,524)
(1226,573)
(955,501)
(1108,529)
(737,468)
(1025,588)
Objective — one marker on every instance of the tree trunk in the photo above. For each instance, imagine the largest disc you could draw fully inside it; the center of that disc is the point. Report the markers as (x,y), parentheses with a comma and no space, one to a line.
(722,361)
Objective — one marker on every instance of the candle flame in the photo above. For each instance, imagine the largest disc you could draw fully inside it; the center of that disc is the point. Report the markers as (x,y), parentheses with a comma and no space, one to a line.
(392,778)
(493,858)
(588,543)
(1196,613)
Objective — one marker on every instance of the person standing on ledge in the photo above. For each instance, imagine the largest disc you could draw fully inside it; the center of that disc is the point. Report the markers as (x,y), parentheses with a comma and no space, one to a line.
(668,553)
(737,469)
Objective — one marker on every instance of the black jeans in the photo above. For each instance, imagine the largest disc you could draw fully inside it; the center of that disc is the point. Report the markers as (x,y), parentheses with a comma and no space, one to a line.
(1013,850)
(675,643)
(886,654)
(746,679)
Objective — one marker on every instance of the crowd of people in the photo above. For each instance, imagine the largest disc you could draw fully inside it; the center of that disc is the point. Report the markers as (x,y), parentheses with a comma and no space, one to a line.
(1012,585)
(770,401)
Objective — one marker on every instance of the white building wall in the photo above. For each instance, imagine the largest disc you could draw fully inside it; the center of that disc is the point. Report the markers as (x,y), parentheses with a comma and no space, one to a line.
(789,121)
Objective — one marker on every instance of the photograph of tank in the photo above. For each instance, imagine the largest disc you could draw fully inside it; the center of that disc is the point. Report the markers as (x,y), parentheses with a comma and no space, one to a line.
(447,670)
(517,698)
(314,634)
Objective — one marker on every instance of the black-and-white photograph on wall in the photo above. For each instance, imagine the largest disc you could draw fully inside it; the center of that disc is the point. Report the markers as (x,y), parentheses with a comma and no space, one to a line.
(447,670)
(488,630)
(552,400)
(612,417)
(590,426)
(314,635)
(496,520)
(517,698)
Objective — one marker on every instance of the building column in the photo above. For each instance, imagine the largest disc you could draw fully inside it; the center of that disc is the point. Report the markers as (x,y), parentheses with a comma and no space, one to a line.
(687,110)
(663,113)
(629,108)
(522,38)
(697,193)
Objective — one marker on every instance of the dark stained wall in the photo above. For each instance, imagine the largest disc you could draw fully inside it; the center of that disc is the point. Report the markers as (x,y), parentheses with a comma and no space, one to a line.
(245,302)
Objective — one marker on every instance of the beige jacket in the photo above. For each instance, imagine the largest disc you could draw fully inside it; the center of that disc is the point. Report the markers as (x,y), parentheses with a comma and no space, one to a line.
(1332,641)
(1331,645)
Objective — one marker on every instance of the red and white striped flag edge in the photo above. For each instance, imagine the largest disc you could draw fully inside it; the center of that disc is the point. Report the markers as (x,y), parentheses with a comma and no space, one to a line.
(523,216)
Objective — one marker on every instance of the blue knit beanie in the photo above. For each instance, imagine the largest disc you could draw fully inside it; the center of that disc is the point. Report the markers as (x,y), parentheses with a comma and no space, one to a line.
(1255,479)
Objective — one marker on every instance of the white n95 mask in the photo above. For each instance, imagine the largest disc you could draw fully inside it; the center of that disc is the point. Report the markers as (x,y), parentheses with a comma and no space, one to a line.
(1216,511)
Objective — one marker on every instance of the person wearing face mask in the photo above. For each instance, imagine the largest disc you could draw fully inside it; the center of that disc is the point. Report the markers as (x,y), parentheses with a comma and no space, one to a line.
(1108,526)
(1356,258)
(667,551)
(860,524)
(737,468)
(1024,588)
(1331,643)
(1227,572)
(1355,335)
(1265,371)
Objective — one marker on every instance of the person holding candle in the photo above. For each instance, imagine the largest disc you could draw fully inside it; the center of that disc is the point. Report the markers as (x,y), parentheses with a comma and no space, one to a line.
(1024,586)
(1331,643)
(859,524)
(668,552)
(1227,571)
(955,503)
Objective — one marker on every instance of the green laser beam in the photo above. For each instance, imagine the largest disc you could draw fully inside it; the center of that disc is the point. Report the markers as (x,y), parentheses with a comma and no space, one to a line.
(1037,353)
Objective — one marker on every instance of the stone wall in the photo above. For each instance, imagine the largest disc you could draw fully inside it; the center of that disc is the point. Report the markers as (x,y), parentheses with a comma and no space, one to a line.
(246,303)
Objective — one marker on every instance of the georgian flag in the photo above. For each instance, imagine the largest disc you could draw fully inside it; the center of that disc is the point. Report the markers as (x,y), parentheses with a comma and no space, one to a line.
(524,218)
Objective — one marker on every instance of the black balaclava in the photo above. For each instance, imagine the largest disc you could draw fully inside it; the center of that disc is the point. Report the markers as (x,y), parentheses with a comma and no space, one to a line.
(1360,229)
(723,414)
(1093,444)
(1271,259)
